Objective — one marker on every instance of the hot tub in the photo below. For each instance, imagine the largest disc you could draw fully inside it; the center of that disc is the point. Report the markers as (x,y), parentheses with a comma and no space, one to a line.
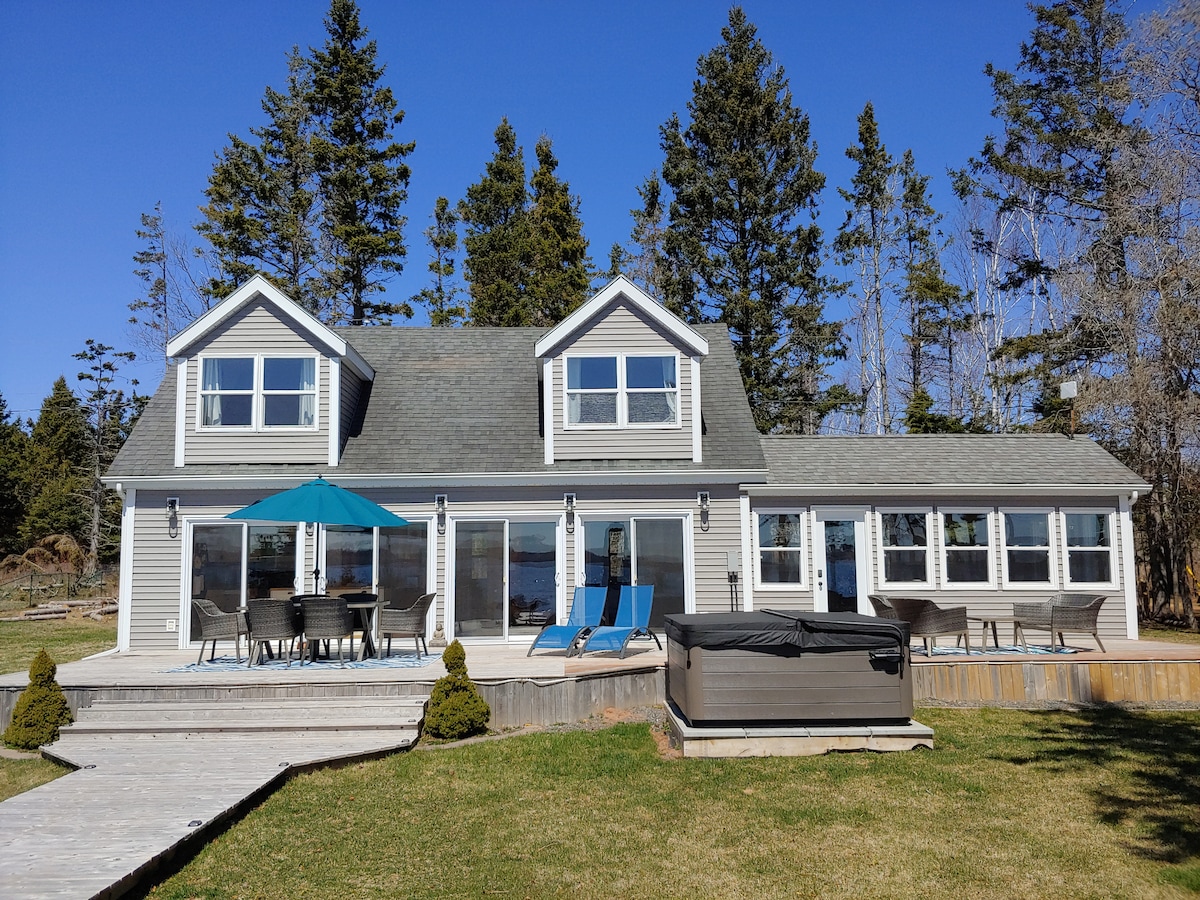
(788,667)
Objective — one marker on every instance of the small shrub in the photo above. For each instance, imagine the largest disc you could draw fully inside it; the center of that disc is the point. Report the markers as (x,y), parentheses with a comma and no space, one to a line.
(456,708)
(41,709)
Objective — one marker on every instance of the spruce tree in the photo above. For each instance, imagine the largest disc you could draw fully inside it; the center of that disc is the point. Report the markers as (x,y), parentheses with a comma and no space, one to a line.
(439,298)
(557,281)
(363,179)
(13,460)
(55,478)
(743,234)
(496,241)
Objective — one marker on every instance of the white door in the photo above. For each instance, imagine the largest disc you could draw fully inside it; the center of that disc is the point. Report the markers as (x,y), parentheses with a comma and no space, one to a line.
(840,561)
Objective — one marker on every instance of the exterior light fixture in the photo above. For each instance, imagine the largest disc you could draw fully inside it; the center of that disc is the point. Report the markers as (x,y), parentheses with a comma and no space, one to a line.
(569,503)
(702,499)
(172,507)
(439,507)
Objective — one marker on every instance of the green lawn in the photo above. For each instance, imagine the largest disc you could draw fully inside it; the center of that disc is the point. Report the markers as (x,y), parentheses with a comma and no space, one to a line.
(66,640)
(1009,804)
(1163,633)
(20,775)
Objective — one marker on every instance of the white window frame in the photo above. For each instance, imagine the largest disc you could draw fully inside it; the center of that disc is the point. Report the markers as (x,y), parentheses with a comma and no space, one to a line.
(1051,548)
(258,394)
(622,392)
(1110,513)
(881,549)
(802,512)
(989,549)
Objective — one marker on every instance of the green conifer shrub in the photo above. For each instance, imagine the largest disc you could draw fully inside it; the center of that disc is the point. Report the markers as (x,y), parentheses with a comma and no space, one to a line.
(456,708)
(41,709)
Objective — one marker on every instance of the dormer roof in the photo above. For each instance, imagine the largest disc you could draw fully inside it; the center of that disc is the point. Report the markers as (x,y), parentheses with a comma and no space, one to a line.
(622,288)
(259,289)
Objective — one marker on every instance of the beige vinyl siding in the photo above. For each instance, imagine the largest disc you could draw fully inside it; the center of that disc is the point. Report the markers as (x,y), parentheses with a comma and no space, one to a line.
(621,329)
(157,580)
(256,329)
(978,601)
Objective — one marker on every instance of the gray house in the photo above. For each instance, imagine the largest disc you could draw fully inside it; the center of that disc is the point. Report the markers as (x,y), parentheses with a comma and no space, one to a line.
(615,448)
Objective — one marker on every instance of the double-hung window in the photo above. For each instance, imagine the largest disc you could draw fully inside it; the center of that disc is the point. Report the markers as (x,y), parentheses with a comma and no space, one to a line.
(781,551)
(622,390)
(904,545)
(966,549)
(255,393)
(1089,547)
(1028,551)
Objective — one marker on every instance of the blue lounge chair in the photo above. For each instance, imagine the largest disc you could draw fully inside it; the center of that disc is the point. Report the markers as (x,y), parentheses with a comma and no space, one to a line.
(586,608)
(633,620)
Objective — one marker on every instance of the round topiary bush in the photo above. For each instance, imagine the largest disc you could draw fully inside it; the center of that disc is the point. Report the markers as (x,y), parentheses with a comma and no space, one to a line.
(456,708)
(41,709)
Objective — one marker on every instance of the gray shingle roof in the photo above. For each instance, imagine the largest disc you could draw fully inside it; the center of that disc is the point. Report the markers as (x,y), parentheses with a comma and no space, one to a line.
(943,459)
(463,401)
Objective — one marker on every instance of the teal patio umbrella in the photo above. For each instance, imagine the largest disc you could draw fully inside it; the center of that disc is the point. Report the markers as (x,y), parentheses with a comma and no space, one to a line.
(321,503)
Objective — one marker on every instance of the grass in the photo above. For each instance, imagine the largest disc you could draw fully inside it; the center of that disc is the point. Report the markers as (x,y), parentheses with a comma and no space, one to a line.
(20,775)
(1152,632)
(1011,803)
(66,640)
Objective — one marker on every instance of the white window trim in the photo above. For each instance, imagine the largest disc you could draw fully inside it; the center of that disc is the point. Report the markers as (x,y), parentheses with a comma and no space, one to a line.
(880,568)
(622,392)
(258,394)
(947,584)
(1066,550)
(1051,525)
(802,551)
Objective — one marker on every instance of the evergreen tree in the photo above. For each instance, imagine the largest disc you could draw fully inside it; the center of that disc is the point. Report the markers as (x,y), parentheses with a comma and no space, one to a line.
(494,213)
(439,297)
(557,281)
(313,202)
(13,452)
(363,177)
(263,208)
(866,242)
(109,413)
(743,236)
(54,480)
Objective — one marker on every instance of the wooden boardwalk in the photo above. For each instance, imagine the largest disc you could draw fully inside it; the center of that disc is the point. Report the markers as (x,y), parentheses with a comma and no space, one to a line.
(155,780)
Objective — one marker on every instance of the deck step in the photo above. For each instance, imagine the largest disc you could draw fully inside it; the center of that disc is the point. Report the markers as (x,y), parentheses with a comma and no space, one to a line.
(239,716)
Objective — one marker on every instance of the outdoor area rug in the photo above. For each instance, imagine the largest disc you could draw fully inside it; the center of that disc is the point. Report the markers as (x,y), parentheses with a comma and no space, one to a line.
(1034,650)
(229,664)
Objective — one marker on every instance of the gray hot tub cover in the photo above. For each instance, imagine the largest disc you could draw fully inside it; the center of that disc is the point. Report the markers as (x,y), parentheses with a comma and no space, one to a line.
(795,630)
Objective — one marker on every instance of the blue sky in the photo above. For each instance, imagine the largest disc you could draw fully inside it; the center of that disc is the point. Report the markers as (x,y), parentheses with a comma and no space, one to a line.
(108,108)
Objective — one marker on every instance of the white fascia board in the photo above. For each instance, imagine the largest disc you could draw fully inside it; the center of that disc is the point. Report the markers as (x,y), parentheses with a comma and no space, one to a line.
(887,490)
(548,422)
(335,410)
(622,287)
(258,286)
(445,479)
(181,377)
(125,577)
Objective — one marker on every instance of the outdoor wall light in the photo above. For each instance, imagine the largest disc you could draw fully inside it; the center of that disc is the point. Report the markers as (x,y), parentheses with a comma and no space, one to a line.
(172,507)
(439,507)
(702,499)
(309,528)
(569,503)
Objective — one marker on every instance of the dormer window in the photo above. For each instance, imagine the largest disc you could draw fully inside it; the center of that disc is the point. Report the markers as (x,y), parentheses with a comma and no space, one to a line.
(257,393)
(622,390)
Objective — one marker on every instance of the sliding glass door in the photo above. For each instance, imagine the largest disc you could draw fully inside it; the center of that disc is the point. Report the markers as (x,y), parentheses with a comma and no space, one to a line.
(505,577)
(637,550)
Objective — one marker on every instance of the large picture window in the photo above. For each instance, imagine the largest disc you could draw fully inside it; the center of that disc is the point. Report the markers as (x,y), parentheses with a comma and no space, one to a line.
(1027,549)
(781,556)
(619,391)
(904,542)
(966,548)
(258,392)
(1088,537)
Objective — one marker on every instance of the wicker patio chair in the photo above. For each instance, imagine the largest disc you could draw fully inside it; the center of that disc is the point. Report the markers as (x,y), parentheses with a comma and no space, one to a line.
(216,624)
(883,606)
(408,622)
(1076,613)
(929,621)
(271,620)
(327,619)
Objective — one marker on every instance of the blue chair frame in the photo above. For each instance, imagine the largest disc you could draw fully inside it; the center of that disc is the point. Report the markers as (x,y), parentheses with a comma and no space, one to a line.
(587,606)
(633,620)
